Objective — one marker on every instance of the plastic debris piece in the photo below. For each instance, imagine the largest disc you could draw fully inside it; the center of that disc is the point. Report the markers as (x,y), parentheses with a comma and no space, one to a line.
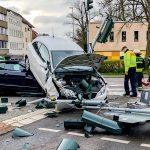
(3,108)
(21,133)
(44,104)
(74,124)
(4,100)
(68,144)
(101,122)
(88,130)
(52,114)
(21,103)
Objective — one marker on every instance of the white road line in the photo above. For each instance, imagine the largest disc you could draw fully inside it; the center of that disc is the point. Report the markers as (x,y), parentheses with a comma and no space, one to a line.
(50,130)
(115,85)
(115,140)
(74,133)
(145,145)
(117,90)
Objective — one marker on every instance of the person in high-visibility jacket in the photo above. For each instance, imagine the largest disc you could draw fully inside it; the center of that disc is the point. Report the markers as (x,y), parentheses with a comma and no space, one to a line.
(139,68)
(130,72)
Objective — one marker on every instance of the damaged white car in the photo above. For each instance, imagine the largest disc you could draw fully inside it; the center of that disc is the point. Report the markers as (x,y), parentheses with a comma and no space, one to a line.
(64,71)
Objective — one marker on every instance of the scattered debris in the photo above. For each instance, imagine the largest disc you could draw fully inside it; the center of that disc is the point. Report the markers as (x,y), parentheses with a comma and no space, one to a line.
(4,100)
(3,108)
(98,121)
(89,121)
(44,104)
(68,144)
(21,133)
(52,114)
(136,105)
(74,124)
(88,130)
(145,97)
(21,103)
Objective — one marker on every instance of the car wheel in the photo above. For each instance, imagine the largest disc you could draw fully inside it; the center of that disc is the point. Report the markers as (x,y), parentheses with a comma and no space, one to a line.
(27,65)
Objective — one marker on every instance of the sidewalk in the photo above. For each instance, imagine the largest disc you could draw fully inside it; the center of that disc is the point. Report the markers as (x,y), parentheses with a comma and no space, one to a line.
(118,76)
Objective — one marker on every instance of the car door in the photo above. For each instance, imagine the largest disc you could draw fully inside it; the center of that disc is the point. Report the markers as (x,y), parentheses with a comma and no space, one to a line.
(14,77)
(39,63)
(2,75)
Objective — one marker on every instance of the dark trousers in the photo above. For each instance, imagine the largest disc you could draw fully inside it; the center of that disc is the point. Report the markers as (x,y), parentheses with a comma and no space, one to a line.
(132,77)
(139,76)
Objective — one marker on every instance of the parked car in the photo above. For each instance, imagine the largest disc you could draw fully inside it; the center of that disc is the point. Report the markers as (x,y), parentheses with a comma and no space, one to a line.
(63,70)
(15,80)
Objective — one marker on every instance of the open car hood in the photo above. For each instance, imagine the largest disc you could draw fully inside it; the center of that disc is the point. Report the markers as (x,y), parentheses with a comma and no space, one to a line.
(90,60)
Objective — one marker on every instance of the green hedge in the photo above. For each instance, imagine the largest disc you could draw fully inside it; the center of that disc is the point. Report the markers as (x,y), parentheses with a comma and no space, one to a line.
(112,67)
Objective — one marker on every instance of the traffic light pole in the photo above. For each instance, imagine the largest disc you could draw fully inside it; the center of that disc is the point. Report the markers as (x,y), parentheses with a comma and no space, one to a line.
(88,39)
(98,33)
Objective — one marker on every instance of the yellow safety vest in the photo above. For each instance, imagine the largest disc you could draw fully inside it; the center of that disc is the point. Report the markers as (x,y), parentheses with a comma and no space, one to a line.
(129,60)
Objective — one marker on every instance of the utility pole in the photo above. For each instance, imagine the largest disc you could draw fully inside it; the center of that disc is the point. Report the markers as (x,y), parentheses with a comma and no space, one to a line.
(89,5)
(72,22)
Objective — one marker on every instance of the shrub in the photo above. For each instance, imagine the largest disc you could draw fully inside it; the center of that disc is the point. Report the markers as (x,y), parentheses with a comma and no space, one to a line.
(112,67)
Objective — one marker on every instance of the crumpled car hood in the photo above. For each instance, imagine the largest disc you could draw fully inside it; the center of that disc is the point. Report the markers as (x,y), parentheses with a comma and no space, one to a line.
(90,60)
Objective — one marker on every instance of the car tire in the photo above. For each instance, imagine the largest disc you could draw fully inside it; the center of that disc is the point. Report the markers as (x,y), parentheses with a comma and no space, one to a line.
(27,64)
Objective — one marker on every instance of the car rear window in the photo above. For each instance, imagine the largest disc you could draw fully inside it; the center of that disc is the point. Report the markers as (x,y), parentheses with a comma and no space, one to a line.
(13,67)
(2,66)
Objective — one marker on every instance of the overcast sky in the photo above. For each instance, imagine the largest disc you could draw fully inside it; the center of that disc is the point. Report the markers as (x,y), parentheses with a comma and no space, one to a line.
(46,15)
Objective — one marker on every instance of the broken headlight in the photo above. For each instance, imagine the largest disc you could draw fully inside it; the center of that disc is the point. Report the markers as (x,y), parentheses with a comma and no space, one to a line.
(102,91)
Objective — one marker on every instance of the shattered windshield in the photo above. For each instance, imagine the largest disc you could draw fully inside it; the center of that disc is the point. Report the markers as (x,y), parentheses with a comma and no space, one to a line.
(58,56)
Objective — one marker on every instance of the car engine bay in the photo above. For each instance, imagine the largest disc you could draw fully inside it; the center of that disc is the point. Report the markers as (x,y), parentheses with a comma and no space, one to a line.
(72,84)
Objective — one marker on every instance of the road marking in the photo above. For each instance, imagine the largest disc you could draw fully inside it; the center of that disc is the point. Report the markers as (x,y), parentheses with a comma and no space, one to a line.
(116,85)
(118,90)
(115,140)
(50,130)
(26,118)
(145,145)
(74,133)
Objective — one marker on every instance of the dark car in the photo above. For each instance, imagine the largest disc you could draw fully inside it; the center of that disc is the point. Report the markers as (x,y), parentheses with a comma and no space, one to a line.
(15,80)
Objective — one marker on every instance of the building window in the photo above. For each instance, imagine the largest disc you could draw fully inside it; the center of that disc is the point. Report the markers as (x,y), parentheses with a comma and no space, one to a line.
(26,40)
(2,17)
(3,30)
(111,37)
(123,36)
(136,36)
(3,44)
(25,29)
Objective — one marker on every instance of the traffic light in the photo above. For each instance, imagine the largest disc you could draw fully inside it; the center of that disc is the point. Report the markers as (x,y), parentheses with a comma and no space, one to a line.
(89,4)
(106,31)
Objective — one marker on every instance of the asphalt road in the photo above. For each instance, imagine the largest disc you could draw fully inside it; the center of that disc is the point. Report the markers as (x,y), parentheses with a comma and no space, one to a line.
(136,138)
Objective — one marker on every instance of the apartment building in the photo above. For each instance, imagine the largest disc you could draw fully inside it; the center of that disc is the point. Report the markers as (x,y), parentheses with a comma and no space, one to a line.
(3,32)
(133,35)
(27,34)
(15,34)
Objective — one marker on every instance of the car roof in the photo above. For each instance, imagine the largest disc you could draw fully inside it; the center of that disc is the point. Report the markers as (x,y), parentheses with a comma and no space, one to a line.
(56,43)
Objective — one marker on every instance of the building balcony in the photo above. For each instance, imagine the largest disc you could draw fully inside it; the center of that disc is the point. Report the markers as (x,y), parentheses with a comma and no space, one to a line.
(3,51)
(3,24)
(3,37)
(3,10)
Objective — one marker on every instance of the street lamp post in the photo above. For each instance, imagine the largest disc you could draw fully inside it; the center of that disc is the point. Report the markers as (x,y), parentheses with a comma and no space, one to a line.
(72,22)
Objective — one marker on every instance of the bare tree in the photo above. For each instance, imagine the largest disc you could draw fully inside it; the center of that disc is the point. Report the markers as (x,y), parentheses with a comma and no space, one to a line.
(79,20)
(128,10)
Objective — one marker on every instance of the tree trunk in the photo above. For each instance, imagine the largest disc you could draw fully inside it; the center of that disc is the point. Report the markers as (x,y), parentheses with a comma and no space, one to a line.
(148,47)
